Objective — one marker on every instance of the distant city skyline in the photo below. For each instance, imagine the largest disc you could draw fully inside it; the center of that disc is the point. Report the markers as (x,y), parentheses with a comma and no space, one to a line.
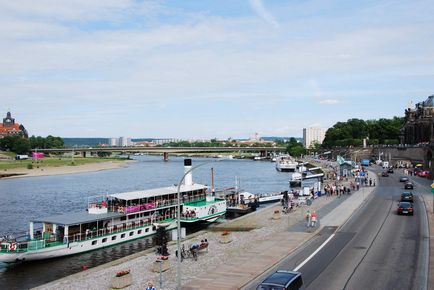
(211,69)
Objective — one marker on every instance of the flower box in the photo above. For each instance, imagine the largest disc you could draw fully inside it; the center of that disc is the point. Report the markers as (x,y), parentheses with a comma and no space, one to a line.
(122,279)
(225,237)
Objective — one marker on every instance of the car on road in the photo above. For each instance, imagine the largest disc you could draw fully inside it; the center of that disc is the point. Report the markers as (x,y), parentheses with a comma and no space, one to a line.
(424,173)
(407,196)
(390,170)
(408,185)
(403,179)
(282,280)
(385,174)
(405,207)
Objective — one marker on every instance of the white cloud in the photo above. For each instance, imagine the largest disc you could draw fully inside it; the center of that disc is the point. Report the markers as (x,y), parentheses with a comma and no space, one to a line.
(259,8)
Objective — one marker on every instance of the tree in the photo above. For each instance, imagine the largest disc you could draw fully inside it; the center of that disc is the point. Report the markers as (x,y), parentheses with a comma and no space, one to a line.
(353,132)
(21,146)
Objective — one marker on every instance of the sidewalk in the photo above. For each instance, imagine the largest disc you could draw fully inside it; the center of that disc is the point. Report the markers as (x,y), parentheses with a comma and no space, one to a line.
(246,265)
(428,198)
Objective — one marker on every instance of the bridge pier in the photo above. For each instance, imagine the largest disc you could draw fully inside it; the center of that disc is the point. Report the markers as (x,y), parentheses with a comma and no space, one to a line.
(166,156)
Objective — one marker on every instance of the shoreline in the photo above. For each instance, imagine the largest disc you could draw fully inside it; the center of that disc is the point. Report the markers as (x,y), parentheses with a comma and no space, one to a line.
(62,170)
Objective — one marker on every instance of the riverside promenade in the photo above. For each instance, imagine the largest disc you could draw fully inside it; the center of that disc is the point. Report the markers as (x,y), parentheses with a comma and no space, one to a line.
(258,241)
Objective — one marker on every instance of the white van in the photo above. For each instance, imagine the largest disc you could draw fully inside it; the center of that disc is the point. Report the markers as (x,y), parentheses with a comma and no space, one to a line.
(385,164)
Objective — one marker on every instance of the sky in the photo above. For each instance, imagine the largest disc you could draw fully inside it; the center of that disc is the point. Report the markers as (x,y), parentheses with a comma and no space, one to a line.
(210,69)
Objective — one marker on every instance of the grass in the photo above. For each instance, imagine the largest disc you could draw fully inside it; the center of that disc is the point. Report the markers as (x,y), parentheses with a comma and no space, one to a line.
(52,162)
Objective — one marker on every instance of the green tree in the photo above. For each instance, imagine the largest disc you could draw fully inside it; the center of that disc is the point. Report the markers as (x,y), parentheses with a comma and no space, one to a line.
(21,146)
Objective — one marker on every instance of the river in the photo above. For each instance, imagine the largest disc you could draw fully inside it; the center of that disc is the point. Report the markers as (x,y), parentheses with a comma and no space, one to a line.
(24,199)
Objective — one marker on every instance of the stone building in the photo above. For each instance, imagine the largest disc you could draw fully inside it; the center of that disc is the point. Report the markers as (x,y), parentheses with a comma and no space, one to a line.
(10,128)
(419,123)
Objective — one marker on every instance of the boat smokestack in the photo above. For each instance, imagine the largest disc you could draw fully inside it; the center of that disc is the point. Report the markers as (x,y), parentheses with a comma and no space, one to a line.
(188,180)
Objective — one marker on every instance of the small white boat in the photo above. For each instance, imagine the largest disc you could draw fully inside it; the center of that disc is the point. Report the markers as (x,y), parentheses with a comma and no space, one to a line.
(285,163)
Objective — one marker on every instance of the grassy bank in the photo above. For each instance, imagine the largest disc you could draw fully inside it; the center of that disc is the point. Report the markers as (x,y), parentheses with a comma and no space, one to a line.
(52,162)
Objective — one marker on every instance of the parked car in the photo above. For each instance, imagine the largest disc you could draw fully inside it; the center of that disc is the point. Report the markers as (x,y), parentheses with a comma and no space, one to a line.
(405,207)
(385,174)
(424,173)
(404,179)
(407,196)
(282,280)
(408,185)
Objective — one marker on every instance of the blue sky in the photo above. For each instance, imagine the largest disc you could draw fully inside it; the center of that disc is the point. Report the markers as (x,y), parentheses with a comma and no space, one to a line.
(210,69)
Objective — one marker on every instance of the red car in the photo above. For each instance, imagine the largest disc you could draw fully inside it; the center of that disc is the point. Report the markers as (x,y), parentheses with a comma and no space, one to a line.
(423,173)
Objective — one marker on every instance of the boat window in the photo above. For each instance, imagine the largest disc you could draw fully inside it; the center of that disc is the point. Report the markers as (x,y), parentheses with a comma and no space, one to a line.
(139,232)
(123,218)
(131,234)
(154,228)
(94,243)
(122,236)
(104,240)
(146,230)
(114,238)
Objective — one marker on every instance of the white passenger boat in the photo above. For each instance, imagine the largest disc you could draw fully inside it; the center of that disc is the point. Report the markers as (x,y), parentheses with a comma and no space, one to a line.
(286,163)
(113,219)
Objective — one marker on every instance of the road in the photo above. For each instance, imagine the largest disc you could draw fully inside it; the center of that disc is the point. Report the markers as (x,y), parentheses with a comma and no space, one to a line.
(374,249)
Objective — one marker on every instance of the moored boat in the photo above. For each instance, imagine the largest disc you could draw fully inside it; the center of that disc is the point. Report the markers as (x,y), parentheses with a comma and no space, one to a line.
(112,219)
(285,163)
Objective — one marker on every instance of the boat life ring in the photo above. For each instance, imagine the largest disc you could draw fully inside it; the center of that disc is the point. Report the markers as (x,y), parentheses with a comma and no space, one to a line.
(12,247)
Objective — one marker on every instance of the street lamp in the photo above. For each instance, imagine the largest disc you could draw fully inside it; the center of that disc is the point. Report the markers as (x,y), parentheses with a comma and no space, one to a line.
(178,219)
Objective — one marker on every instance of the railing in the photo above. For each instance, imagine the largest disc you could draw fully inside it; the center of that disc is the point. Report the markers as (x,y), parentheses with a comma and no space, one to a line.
(157,204)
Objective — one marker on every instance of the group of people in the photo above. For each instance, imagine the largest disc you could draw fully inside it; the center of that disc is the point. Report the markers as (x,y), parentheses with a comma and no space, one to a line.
(311,219)
(287,202)
(190,214)
(203,244)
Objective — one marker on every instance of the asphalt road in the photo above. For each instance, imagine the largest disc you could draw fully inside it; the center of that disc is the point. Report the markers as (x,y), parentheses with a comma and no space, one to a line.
(375,249)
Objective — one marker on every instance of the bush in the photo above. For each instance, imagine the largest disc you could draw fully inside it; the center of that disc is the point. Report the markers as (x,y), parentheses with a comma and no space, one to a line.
(29,166)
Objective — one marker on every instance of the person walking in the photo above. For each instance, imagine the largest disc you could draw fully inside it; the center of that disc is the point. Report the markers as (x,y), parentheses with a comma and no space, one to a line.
(314,218)
(308,218)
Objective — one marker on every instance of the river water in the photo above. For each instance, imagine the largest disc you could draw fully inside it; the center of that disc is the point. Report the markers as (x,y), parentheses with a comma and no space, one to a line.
(24,199)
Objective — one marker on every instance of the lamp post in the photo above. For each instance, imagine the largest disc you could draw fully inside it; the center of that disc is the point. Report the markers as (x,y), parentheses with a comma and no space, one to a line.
(178,223)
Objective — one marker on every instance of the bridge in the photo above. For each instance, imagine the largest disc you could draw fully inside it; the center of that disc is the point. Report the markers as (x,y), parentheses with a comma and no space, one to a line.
(86,152)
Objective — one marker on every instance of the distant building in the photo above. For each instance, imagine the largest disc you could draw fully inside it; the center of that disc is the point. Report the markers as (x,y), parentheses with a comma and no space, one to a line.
(10,128)
(120,142)
(419,123)
(113,142)
(312,134)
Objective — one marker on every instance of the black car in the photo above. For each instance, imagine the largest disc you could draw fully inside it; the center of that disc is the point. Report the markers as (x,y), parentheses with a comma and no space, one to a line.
(390,170)
(405,207)
(408,185)
(403,179)
(282,280)
(407,196)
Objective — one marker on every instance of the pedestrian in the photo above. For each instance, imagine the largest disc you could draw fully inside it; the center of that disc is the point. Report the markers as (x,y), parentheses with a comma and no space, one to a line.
(314,218)
(308,218)
(370,182)
(150,286)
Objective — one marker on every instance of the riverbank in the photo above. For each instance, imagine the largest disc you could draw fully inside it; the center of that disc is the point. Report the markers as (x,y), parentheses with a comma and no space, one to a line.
(266,240)
(60,170)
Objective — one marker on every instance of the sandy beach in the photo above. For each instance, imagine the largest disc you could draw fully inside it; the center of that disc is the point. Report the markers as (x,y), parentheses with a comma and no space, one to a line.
(91,167)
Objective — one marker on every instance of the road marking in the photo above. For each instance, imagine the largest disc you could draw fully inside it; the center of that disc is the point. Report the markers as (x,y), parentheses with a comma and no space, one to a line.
(314,253)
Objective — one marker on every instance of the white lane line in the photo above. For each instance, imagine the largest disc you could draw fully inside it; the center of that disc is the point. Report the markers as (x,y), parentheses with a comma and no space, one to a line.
(314,253)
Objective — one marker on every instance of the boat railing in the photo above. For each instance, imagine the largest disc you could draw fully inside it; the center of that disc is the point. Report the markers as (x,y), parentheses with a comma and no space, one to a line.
(130,225)
(156,205)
